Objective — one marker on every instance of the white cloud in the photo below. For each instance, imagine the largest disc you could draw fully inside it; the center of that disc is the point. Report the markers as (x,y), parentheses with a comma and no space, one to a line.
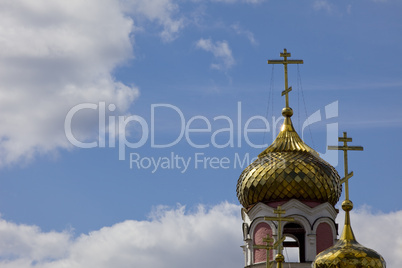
(24,243)
(171,238)
(379,231)
(53,55)
(221,52)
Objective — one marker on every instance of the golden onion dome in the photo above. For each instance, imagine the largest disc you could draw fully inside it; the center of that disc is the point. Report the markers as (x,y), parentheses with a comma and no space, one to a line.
(347,252)
(288,169)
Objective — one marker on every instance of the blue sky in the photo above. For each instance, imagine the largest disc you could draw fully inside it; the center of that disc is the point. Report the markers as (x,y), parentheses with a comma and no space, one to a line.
(207,62)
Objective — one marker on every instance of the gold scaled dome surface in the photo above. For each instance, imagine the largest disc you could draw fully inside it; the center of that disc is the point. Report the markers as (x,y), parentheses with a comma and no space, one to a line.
(288,169)
(347,252)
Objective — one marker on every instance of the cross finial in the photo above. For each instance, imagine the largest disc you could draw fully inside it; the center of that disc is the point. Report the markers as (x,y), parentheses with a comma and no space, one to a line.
(345,148)
(285,63)
(278,244)
(268,247)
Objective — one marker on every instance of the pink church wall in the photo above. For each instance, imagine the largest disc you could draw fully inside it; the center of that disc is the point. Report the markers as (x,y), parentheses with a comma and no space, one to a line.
(260,232)
(275,204)
(311,204)
(324,237)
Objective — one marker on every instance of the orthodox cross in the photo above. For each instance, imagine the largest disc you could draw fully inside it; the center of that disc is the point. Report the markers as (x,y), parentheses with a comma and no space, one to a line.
(279,211)
(269,240)
(345,148)
(285,63)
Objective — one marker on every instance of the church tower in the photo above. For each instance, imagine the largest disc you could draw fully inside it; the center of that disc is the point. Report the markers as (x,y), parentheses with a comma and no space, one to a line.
(289,191)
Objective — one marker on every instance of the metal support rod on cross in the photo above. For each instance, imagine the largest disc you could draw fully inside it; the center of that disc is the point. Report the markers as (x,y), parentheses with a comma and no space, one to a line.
(285,63)
(345,148)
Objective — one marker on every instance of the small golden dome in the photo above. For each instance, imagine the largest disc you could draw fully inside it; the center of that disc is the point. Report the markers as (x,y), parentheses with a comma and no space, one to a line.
(288,169)
(347,252)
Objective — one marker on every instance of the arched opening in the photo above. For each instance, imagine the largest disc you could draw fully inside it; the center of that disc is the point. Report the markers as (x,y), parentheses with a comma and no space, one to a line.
(291,253)
(295,235)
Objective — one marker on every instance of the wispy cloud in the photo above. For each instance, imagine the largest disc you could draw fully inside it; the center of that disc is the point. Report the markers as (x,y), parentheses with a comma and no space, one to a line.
(240,31)
(239,1)
(373,123)
(323,5)
(163,12)
(349,9)
(221,52)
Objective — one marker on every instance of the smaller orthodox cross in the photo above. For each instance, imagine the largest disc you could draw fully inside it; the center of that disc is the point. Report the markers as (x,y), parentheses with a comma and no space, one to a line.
(345,148)
(285,63)
(279,211)
(268,247)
